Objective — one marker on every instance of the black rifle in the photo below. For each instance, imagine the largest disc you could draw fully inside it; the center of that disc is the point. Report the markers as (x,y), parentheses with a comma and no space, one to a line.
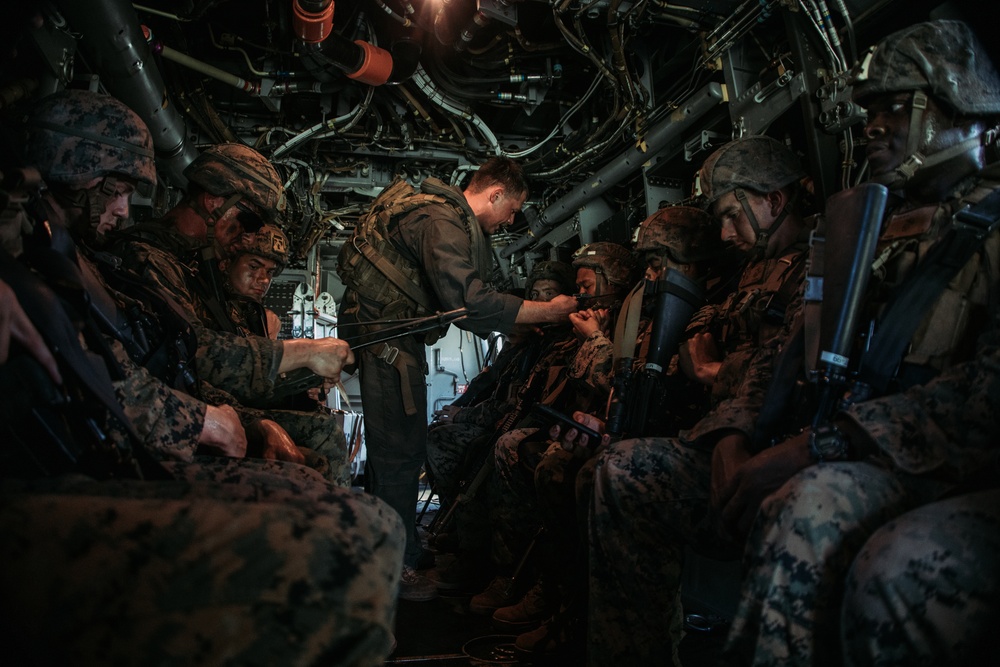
(677,297)
(301,379)
(853,223)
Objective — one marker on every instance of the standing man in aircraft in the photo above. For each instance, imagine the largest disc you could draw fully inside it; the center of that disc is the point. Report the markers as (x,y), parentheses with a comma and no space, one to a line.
(416,253)
(876,544)
(651,495)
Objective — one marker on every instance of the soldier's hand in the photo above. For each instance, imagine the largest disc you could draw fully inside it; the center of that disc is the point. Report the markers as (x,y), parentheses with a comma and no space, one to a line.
(447,413)
(588,322)
(700,358)
(579,443)
(15,325)
(759,477)
(223,433)
(325,357)
(562,305)
(268,440)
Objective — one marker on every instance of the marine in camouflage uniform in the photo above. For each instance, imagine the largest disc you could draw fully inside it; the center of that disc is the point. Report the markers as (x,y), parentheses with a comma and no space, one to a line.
(168,255)
(651,495)
(885,551)
(211,561)
(573,374)
(247,276)
(437,259)
(681,239)
(450,441)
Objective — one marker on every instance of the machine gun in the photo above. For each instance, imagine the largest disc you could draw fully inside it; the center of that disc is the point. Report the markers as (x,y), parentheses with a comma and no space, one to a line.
(677,297)
(302,379)
(840,267)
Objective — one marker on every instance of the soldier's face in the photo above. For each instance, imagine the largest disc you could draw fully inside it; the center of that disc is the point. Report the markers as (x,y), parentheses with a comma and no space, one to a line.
(543,290)
(655,266)
(501,210)
(887,130)
(250,276)
(586,281)
(736,227)
(228,231)
(116,206)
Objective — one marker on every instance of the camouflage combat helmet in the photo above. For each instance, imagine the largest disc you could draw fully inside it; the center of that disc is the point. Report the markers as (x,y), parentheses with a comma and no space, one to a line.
(76,136)
(559,272)
(268,242)
(610,260)
(758,163)
(225,170)
(685,233)
(943,58)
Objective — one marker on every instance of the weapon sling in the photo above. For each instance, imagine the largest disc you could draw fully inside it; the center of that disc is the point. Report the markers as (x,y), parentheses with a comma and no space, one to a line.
(970,229)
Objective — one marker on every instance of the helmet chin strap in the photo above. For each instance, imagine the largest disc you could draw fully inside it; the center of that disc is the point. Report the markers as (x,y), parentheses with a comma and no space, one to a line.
(763,235)
(915,160)
(213,217)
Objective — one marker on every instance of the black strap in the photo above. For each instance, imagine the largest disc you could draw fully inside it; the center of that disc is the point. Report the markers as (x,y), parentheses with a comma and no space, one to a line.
(908,305)
(394,275)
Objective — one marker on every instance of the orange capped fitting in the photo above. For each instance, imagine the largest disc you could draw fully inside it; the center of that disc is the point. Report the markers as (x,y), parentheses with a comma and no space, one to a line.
(312,27)
(376,67)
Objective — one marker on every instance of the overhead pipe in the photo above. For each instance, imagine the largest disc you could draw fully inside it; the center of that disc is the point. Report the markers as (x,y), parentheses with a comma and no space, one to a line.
(158,47)
(625,165)
(360,60)
(117,48)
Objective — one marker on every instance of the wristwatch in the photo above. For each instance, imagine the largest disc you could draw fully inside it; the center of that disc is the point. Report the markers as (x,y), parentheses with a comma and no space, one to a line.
(828,443)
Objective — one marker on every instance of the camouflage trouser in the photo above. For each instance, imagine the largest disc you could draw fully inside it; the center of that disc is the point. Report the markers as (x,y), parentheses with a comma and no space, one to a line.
(455,454)
(321,439)
(514,510)
(318,436)
(651,498)
(265,569)
(564,484)
(940,563)
(800,548)
(447,452)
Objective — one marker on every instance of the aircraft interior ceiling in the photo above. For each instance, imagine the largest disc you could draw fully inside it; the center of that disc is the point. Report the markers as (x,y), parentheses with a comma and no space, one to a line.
(610,105)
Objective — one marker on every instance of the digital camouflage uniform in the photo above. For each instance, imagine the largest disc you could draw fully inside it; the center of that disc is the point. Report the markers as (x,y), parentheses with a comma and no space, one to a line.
(920,459)
(651,495)
(448,444)
(573,374)
(174,265)
(443,252)
(891,558)
(210,561)
(253,570)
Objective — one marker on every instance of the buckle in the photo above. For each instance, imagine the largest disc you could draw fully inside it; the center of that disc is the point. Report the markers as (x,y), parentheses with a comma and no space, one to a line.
(388,354)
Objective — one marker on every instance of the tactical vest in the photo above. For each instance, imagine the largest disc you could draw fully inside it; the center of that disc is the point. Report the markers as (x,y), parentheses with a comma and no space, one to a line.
(943,334)
(370,265)
(203,280)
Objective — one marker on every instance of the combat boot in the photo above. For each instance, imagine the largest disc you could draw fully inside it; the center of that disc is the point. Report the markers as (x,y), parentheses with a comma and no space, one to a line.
(415,587)
(562,634)
(499,593)
(538,604)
